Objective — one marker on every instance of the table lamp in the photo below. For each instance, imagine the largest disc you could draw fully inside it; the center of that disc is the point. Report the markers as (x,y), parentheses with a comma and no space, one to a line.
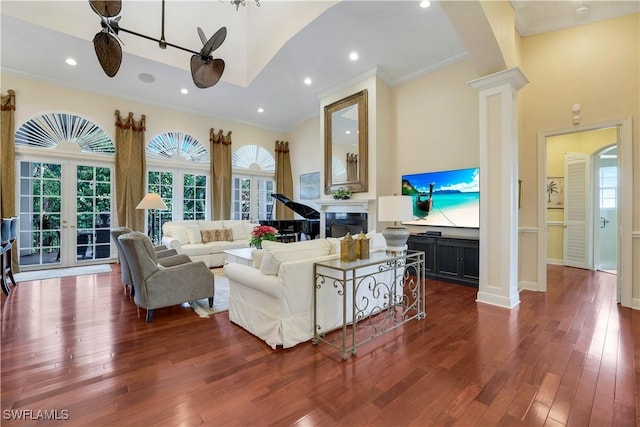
(153,202)
(395,208)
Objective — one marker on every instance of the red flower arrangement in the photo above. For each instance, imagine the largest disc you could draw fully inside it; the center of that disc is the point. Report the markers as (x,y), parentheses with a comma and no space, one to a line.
(260,233)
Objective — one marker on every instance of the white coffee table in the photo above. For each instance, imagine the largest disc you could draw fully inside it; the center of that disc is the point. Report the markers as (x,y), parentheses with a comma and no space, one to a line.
(239,256)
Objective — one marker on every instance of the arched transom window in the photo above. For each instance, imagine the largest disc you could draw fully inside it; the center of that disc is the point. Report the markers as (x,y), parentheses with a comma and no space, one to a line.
(58,129)
(253,157)
(170,144)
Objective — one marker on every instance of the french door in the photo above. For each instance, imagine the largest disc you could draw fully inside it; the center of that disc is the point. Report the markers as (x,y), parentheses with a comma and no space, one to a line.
(251,197)
(65,212)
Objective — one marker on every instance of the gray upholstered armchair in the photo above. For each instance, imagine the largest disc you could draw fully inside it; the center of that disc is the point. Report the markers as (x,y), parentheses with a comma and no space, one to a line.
(161,253)
(158,286)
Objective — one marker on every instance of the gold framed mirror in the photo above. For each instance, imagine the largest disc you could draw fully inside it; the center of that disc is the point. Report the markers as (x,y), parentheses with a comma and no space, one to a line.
(346,144)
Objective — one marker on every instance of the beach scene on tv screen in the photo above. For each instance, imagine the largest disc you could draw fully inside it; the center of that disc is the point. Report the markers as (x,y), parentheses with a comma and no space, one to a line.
(444,199)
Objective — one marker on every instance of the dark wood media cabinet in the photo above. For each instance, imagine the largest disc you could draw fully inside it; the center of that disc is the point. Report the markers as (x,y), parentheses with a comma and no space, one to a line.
(449,258)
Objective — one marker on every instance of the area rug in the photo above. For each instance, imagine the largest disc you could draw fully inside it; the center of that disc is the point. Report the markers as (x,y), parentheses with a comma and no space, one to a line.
(220,299)
(55,273)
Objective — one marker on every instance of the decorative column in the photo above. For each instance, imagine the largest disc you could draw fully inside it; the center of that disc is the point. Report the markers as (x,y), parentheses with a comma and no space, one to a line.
(498,140)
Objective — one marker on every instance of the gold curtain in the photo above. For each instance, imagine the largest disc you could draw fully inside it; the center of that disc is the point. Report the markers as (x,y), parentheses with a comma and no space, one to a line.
(284,180)
(220,174)
(131,168)
(352,167)
(8,163)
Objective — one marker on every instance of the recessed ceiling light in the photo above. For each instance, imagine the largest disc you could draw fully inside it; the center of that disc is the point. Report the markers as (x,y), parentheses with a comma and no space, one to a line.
(353,56)
(348,132)
(307,81)
(184,91)
(425,4)
(146,77)
(260,110)
(71,61)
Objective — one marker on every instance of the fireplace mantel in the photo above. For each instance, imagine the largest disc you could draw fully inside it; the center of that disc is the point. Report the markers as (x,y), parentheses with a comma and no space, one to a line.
(359,205)
(346,206)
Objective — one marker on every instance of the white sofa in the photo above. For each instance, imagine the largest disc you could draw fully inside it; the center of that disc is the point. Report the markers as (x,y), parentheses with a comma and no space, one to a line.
(273,299)
(186,237)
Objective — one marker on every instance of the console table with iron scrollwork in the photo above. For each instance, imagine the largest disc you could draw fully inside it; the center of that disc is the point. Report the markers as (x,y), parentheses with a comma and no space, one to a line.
(376,295)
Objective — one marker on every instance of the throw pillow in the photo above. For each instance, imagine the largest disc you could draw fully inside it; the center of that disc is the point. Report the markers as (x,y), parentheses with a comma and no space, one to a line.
(270,264)
(179,233)
(224,234)
(248,227)
(277,252)
(239,232)
(193,231)
(335,245)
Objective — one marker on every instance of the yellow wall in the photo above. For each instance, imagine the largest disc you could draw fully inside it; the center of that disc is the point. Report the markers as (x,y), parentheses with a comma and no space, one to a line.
(36,98)
(436,125)
(597,66)
(580,142)
(501,16)
(304,144)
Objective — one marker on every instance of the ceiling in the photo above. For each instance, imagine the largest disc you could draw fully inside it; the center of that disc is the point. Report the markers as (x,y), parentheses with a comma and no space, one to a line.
(269,50)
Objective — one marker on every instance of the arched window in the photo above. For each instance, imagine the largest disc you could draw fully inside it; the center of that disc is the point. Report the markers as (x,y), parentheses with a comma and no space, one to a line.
(170,144)
(53,130)
(66,186)
(253,157)
(253,183)
(178,170)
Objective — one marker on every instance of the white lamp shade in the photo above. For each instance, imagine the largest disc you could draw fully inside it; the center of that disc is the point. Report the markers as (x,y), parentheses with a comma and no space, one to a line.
(151,201)
(395,208)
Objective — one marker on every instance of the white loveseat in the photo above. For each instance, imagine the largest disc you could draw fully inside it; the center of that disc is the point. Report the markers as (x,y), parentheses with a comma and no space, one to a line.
(273,299)
(186,237)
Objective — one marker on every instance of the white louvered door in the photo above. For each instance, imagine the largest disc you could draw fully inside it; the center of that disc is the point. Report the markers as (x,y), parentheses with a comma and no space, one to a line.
(577,199)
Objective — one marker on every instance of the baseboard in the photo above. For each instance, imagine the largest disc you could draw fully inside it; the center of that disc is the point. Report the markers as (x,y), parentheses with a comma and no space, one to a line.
(635,303)
(554,261)
(498,300)
(524,285)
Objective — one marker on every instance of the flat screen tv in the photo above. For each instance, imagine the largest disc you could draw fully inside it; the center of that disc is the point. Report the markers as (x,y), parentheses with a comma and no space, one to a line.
(444,199)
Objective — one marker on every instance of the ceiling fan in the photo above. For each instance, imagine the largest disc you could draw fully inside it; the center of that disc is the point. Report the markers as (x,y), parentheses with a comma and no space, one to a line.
(205,70)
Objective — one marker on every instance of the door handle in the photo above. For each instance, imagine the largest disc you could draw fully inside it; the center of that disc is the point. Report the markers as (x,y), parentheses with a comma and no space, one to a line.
(605,221)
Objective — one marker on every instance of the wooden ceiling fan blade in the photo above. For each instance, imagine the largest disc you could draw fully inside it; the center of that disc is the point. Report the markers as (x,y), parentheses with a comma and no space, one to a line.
(206,72)
(106,8)
(214,42)
(109,52)
(202,36)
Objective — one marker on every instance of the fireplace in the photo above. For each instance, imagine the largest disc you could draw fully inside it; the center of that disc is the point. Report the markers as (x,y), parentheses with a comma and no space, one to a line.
(337,224)
(341,216)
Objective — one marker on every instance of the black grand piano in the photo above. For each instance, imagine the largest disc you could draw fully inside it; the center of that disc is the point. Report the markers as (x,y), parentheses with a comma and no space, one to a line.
(309,226)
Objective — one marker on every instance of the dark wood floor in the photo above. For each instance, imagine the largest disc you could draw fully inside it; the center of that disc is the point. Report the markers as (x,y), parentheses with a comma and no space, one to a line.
(74,347)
